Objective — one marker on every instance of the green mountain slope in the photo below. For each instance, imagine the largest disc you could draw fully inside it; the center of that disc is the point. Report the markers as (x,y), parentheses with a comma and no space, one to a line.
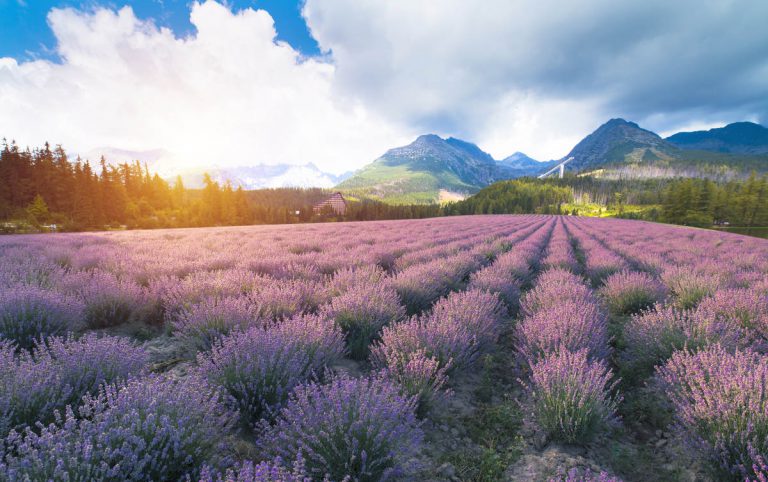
(429,170)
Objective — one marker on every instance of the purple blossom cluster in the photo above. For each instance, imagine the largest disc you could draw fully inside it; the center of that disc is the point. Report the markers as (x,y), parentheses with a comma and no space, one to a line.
(258,368)
(29,314)
(200,325)
(742,310)
(348,429)
(146,429)
(421,352)
(689,288)
(109,301)
(629,292)
(571,396)
(421,285)
(266,471)
(58,373)
(652,336)
(571,325)
(361,312)
(721,406)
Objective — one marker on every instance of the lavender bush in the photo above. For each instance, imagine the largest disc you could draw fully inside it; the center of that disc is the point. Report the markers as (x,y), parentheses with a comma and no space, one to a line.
(419,376)
(361,312)
(259,367)
(652,336)
(147,429)
(629,292)
(266,471)
(29,313)
(721,405)
(59,373)
(571,396)
(200,325)
(455,333)
(570,325)
(744,309)
(688,288)
(108,300)
(357,428)
(497,280)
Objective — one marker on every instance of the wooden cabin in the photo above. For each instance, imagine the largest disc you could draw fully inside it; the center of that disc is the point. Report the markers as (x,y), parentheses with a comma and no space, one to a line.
(336,204)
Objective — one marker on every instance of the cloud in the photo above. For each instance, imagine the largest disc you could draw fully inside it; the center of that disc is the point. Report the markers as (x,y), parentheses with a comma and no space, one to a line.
(539,72)
(228,95)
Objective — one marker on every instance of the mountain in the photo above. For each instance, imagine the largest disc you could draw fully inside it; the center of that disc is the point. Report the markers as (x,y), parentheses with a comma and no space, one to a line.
(430,169)
(266,176)
(526,166)
(739,138)
(619,141)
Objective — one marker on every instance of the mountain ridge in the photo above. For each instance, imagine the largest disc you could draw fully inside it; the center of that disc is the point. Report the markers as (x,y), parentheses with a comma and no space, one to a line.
(428,170)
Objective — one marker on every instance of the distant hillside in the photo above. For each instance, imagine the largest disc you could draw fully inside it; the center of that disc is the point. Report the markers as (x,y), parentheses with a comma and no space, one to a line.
(738,138)
(526,166)
(623,150)
(619,141)
(428,170)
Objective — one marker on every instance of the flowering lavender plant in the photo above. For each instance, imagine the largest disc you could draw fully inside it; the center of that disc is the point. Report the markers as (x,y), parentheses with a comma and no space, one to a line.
(688,288)
(629,292)
(571,396)
(573,325)
(361,312)
(60,372)
(652,336)
(721,405)
(29,313)
(357,428)
(200,325)
(147,429)
(266,471)
(497,280)
(259,367)
(419,376)
(108,300)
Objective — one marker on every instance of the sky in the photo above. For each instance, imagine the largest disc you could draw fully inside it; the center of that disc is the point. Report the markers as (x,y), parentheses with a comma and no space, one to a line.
(336,83)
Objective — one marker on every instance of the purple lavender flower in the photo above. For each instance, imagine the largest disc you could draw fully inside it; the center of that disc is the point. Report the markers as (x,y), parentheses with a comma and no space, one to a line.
(688,288)
(553,287)
(498,280)
(108,300)
(200,325)
(629,292)
(358,428)
(744,309)
(348,278)
(652,336)
(459,328)
(570,396)
(258,368)
(147,429)
(571,325)
(29,313)
(361,312)
(419,376)
(721,405)
(59,373)
(266,471)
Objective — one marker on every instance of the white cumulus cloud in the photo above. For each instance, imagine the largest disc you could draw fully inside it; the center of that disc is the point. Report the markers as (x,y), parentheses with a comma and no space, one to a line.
(228,95)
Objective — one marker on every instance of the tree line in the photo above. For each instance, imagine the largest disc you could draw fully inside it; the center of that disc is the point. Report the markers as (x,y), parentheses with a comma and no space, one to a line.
(43,187)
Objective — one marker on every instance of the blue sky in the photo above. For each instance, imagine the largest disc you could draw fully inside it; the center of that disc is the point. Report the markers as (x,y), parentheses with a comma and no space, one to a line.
(25,34)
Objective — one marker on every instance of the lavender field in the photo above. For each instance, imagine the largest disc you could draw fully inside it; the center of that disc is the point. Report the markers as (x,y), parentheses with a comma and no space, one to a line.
(471,348)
